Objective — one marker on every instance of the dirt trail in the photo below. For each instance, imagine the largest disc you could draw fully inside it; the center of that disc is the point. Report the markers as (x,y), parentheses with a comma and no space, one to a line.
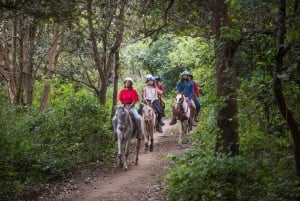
(139,183)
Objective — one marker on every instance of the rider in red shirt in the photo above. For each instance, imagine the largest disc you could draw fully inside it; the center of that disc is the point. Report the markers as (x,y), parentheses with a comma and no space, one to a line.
(160,86)
(129,96)
(196,97)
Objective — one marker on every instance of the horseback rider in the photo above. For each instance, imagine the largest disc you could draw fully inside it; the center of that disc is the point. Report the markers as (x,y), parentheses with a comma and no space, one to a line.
(185,86)
(196,97)
(128,96)
(160,86)
(150,95)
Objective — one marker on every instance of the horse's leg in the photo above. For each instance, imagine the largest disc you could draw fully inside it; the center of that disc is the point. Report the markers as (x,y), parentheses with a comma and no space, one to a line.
(126,152)
(186,130)
(151,138)
(120,151)
(152,145)
(180,128)
(146,147)
(137,151)
(146,138)
(147,143)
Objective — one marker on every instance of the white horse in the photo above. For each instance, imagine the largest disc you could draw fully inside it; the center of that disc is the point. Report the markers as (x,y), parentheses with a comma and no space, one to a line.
(183,114)
(148,124)
(126,130)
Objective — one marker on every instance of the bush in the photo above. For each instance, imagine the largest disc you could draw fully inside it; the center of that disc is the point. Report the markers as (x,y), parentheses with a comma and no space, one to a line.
(42,146)
(201,175)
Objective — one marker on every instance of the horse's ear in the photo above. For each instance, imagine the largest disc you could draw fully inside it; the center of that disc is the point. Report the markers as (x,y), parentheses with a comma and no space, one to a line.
(143,104)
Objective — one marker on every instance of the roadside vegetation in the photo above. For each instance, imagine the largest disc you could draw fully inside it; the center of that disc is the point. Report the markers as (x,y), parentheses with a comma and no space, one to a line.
(62,64)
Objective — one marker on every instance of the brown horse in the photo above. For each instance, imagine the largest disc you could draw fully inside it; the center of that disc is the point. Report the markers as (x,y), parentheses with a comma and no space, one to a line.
(185,113)
(148,125)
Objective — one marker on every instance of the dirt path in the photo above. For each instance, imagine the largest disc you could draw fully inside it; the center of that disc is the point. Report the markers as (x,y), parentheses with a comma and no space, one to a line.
(140,183)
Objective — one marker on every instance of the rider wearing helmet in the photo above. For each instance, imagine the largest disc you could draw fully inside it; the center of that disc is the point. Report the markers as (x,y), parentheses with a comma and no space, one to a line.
(128,96)
(185,86)
(150,95)
(160,86)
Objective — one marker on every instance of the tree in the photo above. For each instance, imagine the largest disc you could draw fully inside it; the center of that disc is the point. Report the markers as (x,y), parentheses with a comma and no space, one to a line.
(17,60)
(111,28)
(282,49)
(225,49)
(53,57)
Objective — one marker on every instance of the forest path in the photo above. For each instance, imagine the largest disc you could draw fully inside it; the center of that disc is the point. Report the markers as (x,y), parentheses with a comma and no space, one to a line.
(140,183)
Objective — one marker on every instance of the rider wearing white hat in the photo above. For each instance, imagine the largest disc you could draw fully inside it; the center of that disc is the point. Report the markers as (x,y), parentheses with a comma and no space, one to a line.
(128,96)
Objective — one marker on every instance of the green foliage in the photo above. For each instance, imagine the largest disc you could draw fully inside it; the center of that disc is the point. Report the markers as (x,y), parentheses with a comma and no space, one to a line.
(264,170)
(41,146)
(201,175)
(168,57)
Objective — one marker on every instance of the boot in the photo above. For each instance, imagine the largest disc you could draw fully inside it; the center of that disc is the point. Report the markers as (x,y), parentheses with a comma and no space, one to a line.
(196,118)
(159,129)
(161,122)
(173,121)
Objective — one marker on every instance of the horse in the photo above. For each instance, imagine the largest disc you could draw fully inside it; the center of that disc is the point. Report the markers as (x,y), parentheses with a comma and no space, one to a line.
(148,124)
(126,131)
(185,114)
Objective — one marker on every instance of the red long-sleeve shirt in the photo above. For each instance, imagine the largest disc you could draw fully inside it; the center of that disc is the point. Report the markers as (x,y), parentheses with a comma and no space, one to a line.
(160,86)
(128,96)
(196,89)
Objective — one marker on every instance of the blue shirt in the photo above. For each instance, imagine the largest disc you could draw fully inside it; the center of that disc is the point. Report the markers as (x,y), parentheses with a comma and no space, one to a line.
(186,87)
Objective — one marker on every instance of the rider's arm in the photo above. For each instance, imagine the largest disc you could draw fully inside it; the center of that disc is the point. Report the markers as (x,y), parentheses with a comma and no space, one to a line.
(159,92)
(144,93)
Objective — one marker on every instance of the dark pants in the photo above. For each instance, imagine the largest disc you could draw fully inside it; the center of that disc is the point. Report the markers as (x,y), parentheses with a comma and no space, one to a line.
(198,105)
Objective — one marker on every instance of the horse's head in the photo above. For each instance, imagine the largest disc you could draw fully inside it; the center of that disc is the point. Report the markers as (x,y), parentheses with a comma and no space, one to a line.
(122,114)
(181,107)
(147,112)
(180,98)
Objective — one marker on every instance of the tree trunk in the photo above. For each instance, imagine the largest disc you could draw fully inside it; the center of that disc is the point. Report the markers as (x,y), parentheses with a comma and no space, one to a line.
(53,56)
(227,121)
(28,53)
(277,85)
(104,62)
(116,81)
(7,68)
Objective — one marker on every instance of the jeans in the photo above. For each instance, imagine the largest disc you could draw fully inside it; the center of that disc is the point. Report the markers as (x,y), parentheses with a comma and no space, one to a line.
(198,105)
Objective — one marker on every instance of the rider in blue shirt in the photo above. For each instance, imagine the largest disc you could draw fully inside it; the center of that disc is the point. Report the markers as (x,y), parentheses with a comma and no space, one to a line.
(185,86)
